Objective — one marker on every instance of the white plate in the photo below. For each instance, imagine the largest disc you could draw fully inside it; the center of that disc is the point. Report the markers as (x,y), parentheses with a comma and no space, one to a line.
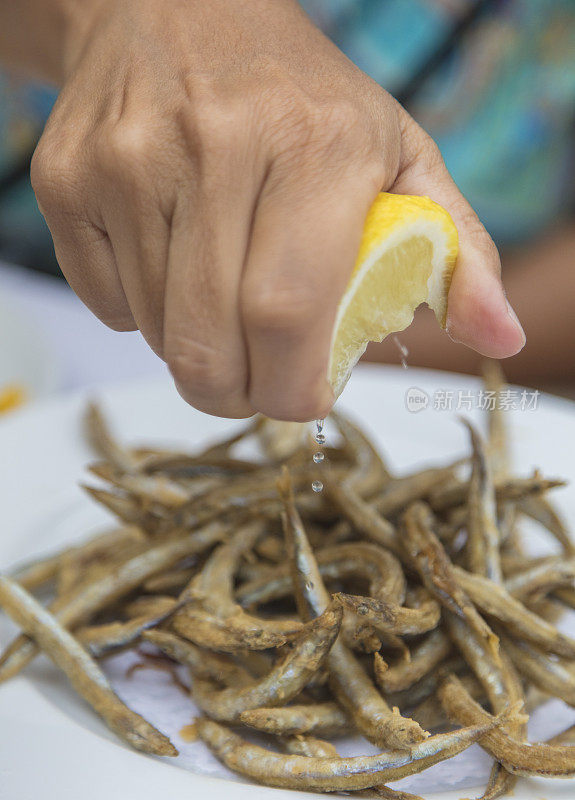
(25,359)
(51,745)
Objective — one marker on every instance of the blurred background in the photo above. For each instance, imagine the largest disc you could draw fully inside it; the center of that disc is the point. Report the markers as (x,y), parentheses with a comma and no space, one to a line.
(493,81)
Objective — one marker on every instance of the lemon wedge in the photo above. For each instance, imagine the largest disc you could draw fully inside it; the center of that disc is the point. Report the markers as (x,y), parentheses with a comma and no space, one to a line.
(407,257)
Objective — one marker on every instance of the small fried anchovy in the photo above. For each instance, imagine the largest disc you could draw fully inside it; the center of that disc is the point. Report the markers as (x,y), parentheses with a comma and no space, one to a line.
(172,580)
(82,672)
(364,517)
(100,438)
(38,573)
(125,507)
(205,471)
(426,686)
(369,473)
(337,562)
(566,594)
(284,682)
(392,794)
(210,666)
(270,547)
(234,494)
(520,758)
(498,603)
(425,657)
(500,680)
(502,687)
(280,440)
(148,605)
(507,517)
(222,635)
(217,621)
(498,443)
(428,557)
(549,609)
(319,748)
(400,492)
(390,618)
(538,508)
(483,536)
(350,683)
(333,774)
(551,676)
(213,586)
(513,489)
(102,640)
(81,604)
(319,719)
(543,576)
(147,488)
(309,746)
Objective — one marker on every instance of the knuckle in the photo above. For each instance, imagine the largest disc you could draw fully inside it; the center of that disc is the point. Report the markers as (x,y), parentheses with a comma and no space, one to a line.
(340,119)
(215,123)
(126,148)
(213,127)
(199,370)
(53,179)
(317,136)
(290,118)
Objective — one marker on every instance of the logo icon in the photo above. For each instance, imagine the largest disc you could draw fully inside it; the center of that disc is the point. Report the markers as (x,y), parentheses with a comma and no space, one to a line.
(416,399)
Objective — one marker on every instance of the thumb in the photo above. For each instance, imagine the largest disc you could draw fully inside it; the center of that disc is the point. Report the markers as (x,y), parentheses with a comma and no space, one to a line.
(478,313)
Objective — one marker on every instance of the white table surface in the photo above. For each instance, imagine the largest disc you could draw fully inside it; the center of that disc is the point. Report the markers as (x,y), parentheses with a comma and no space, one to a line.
(86,353)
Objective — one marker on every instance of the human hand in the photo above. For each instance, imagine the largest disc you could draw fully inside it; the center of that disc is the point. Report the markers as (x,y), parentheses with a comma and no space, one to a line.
(206,173)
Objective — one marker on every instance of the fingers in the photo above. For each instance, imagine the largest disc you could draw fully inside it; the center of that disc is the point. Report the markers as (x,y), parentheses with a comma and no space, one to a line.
(83,249)
(138,223)
(304,245)
(203,339)
(479,314)
(140,245)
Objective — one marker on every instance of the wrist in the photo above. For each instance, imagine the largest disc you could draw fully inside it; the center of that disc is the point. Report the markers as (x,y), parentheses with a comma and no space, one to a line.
(33,35)
(79,18)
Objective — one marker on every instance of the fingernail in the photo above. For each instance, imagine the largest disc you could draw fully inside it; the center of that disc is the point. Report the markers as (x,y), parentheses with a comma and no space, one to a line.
(449,332)
(515,319)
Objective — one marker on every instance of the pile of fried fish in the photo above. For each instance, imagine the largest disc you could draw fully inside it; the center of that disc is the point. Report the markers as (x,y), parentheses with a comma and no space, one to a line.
(402,608)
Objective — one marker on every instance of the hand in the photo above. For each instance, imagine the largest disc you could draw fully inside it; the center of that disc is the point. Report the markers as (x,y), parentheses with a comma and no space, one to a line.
(206,173)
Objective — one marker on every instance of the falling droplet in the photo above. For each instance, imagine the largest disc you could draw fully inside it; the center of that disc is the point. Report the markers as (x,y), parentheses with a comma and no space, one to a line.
(320,438)
(403,352)
(309,585)
(318,457)
(317,486)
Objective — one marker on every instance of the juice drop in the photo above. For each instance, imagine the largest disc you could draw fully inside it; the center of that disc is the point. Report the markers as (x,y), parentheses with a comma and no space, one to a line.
(403,352)
(318,457)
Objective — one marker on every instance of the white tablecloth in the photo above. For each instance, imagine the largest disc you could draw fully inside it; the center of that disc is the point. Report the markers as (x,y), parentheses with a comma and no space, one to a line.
(84,351)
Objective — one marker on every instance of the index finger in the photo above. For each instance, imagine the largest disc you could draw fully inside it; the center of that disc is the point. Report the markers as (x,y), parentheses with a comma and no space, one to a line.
(305,240)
